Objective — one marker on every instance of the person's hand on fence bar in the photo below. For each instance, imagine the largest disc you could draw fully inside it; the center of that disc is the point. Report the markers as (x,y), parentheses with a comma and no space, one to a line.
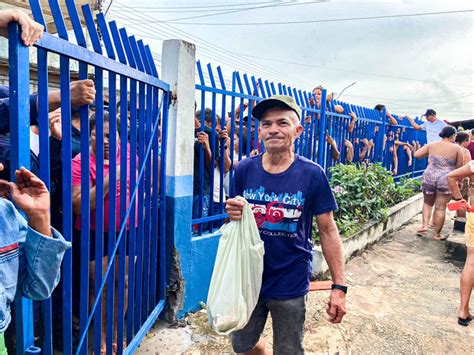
(203,139)
(338,109)
(223,134)
(233,207)
(31,31)
(82,92)
(330,140)
(30,194)
(55,124)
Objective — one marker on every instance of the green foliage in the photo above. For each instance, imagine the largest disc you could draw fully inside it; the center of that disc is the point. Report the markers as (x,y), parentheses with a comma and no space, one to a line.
(364,194)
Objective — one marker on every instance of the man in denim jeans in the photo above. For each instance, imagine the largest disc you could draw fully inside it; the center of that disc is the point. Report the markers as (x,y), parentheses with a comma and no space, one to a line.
(285,191)
(31,251)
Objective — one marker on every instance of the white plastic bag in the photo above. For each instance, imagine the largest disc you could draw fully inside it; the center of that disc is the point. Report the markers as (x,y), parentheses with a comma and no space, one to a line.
(237,276)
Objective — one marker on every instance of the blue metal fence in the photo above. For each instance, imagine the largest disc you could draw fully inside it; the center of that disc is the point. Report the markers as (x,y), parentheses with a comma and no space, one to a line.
(138,110)
(373,138)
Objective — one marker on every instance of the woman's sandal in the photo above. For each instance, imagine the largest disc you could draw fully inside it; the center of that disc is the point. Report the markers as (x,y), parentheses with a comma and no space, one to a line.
(422,232)
(464,321)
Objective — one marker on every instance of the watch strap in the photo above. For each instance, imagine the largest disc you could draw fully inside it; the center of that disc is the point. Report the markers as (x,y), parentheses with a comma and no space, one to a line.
(339,287)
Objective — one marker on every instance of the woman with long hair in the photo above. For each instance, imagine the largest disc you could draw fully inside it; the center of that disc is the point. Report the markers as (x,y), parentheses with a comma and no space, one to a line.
(443,157)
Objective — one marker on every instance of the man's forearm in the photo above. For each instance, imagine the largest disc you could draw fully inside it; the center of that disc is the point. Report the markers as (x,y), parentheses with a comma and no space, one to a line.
(363,153)
(413,123)
(54,100)
(335,152)
(333,253)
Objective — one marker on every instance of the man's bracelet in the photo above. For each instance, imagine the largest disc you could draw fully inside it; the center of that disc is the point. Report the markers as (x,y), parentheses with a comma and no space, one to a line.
(457,199)
(339,287)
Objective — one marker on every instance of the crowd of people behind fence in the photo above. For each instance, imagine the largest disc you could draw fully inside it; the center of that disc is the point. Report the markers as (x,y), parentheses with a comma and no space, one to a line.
(358,144)
(216,155)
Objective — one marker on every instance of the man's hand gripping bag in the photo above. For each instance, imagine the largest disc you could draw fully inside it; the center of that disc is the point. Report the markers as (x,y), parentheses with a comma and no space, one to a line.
(237,276)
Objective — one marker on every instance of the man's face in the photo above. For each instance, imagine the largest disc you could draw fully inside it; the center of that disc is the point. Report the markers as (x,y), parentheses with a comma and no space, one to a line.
(317,93)
(278,129)
(431,118)
(106,141)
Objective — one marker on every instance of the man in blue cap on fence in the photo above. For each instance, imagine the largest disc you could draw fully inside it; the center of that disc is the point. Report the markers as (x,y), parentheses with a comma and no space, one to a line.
(285,191)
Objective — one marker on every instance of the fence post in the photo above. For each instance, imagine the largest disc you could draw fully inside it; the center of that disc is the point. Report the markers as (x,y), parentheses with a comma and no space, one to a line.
(322,131)
(381,135)
(178,69)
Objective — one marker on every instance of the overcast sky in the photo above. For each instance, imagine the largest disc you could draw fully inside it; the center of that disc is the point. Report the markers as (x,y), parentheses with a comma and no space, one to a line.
(408,63)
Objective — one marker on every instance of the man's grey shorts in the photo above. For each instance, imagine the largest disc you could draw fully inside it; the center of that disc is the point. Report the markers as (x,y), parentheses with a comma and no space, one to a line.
(288,318)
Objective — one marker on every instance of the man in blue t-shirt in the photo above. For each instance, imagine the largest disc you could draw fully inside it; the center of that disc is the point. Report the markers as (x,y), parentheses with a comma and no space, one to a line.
(285,191)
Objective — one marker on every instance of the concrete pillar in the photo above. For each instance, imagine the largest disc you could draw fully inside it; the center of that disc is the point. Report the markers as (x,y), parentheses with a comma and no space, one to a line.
(178,69)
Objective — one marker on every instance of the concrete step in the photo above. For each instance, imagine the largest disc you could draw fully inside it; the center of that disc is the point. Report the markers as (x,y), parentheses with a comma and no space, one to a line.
(456,245)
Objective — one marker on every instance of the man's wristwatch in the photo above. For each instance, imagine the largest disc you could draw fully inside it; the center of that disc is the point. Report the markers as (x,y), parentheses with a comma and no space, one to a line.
(339,287)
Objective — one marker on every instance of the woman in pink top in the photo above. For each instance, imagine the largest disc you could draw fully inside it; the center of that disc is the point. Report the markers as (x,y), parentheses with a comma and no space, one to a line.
(77,195)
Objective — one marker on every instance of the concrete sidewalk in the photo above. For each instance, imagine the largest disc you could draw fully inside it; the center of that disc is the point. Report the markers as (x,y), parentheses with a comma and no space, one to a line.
(403,298)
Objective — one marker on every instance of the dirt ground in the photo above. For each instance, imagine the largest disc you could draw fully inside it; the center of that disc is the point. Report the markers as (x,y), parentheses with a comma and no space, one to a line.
(403,298)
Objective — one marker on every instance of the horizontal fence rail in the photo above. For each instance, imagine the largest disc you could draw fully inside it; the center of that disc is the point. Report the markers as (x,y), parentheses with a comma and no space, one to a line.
(106,177)
(334,132)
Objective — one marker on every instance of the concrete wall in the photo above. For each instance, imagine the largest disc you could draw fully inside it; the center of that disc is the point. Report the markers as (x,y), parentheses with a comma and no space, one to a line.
(398,215)
(190,260)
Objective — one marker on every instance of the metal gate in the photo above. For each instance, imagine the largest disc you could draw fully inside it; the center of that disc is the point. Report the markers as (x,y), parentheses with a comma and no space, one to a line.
(136,220)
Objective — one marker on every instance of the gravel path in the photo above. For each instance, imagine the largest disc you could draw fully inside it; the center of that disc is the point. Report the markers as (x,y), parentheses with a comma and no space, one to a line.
(403,298)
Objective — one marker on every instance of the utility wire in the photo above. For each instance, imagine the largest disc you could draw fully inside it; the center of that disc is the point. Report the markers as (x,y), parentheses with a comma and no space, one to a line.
(341,70)
(192,8)
(287,3)
(424,99)
(244,23)
(349,71)
(206,46)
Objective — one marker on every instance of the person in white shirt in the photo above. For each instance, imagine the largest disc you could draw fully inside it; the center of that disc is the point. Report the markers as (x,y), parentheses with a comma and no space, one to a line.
(432,126)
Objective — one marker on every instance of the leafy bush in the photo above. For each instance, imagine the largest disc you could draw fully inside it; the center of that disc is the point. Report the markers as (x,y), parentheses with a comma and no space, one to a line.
(364,194)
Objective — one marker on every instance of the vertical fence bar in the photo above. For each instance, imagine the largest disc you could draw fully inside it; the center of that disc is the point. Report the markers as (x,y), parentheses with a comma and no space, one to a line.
(154,274)
(162,222)
(148,215)
(44,157)
(223,143)
(232,135)
(124,173)
(147,184)
(322,126)
(19,78)
(110,295)
(133,178)
(213,145)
